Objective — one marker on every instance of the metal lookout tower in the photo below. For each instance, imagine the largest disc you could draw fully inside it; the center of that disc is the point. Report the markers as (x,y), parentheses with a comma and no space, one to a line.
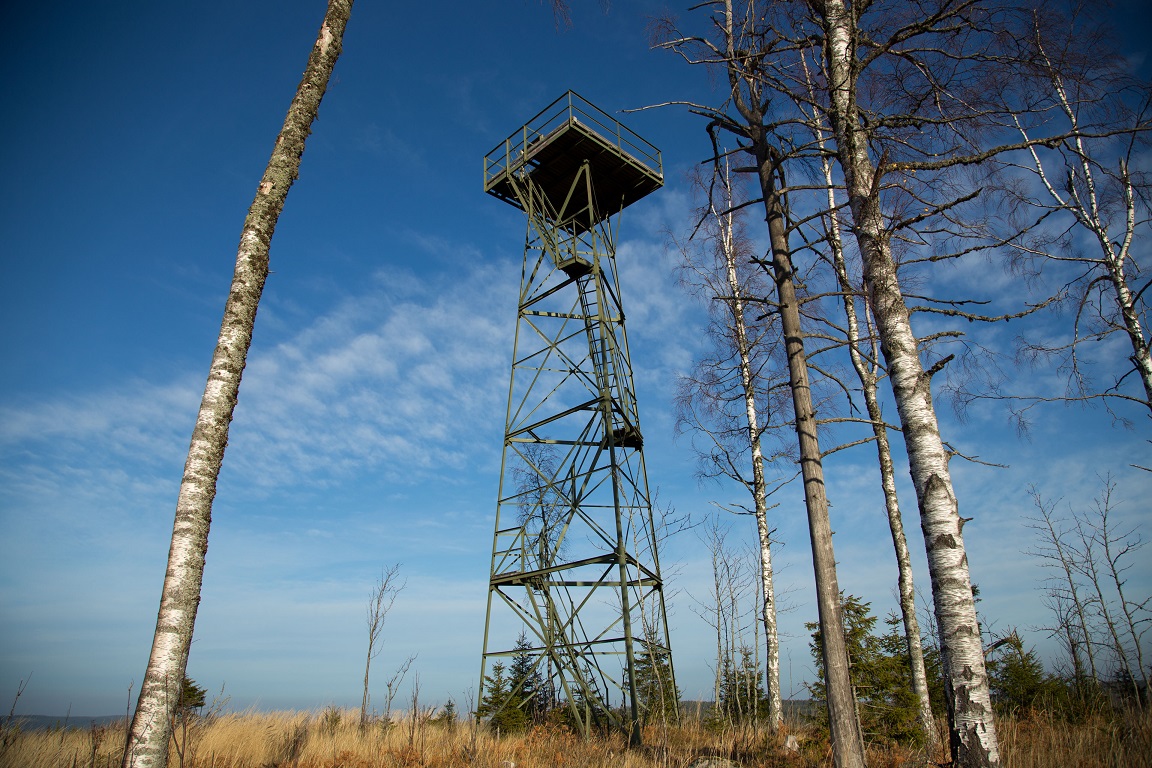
(574,562)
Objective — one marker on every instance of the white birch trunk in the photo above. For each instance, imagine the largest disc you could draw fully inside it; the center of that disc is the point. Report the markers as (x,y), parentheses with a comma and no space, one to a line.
(972,727)
(868,384)
(759,488)
(151,728)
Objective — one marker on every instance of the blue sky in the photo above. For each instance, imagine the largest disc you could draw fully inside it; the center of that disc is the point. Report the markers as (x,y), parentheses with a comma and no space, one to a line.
(369,425)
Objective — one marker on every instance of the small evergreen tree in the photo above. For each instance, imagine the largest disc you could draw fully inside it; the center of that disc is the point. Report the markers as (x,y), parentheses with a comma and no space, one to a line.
(192,697)
(582,714)
(887,705)
(527,685)
(497,706)
(742,696)
(657,696)
(1019,681)
(447,716)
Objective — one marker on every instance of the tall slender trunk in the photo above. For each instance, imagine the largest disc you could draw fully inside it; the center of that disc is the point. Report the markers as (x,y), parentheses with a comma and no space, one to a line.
(868,384)
(159,693)
(1115,252)
(759,486)
(847,745)
(972,727)
(848,748)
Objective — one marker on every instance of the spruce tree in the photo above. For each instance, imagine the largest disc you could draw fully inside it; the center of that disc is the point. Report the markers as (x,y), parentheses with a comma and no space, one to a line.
(659,698)
(527,686)
(887,704)
(497,705)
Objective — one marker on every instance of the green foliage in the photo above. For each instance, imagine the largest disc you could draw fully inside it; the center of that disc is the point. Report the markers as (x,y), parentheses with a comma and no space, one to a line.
(1019,682)
(515,696)
(657,697)
(742,696)
(497,705)
(527,682)
(881,675)
(448,716)
(192,697)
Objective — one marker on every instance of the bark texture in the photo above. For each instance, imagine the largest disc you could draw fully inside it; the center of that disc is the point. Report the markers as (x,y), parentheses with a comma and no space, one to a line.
(847,745)
(869,381)
(973,740)
(159,693)
(759,485)
(748,98)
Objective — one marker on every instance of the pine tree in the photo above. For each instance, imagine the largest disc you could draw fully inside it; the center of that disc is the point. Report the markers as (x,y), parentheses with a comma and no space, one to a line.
(497,705)
(659,698)
(887,704)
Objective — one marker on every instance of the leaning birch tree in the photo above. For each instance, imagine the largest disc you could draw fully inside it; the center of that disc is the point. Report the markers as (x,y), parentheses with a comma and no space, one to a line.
(1090,177)
(151,728)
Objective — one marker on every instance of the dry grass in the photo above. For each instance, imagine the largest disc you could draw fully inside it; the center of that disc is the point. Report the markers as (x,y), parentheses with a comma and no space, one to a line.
(332,739)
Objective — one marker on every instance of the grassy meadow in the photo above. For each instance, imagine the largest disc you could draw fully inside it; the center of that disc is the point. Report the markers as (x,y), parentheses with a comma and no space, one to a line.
(332,739)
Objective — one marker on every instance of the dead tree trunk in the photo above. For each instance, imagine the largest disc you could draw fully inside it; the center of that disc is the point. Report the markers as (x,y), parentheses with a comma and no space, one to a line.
(160,691)
(848,749)
(869,380)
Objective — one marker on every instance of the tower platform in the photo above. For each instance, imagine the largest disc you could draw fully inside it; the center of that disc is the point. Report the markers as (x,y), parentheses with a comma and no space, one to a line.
(553,146)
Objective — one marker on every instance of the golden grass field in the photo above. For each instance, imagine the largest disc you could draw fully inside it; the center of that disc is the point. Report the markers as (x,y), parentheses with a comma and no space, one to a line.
(332,739)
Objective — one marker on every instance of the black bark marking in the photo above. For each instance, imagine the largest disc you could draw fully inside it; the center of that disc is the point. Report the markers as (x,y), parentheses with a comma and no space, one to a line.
(944,540)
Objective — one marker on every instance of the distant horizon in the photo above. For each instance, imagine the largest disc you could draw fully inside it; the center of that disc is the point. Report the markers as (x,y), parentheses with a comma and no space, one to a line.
(49,721)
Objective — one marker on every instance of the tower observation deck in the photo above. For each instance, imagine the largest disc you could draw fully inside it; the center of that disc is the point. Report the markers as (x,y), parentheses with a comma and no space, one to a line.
(575,595)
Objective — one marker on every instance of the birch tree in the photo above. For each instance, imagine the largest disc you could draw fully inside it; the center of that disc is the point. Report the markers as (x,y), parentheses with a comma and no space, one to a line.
(737,52)
(973,739)
(160,691)
(725,400)
(1089,178)
(868,372)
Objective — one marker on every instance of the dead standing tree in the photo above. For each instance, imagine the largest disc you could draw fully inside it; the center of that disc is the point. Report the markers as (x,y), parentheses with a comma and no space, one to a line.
(160,691)
(1090,594)
(738,52)
(379,604)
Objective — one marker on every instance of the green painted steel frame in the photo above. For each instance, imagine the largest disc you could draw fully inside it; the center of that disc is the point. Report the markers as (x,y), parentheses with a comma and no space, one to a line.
(574,559)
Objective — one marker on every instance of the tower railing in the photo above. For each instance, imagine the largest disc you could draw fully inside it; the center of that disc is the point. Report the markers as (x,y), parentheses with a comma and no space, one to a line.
(569,109)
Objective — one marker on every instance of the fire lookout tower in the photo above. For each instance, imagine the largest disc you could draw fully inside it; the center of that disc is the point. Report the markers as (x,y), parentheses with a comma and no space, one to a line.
(574,561)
